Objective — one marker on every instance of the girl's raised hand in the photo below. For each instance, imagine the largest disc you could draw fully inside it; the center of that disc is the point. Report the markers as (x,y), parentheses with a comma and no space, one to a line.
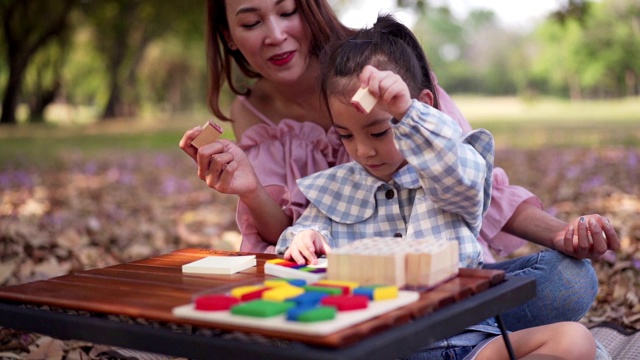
(388,87)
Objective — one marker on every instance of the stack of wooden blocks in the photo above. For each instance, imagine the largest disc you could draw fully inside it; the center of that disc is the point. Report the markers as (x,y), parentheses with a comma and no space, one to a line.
(395,261)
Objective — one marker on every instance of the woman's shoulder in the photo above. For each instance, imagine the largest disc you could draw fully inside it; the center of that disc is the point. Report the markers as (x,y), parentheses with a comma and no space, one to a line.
(243,116)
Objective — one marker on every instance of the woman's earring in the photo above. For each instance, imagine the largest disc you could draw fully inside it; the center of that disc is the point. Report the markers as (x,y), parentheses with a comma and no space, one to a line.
(232,46)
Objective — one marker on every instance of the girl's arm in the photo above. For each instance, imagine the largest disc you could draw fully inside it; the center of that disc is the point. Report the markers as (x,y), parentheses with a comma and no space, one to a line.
(455,170)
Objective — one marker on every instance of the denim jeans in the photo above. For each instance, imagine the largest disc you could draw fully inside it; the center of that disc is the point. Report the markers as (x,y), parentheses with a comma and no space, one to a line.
(565,288)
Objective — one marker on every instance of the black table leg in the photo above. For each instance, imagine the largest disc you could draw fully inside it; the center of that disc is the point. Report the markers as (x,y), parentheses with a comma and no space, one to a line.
(505,337)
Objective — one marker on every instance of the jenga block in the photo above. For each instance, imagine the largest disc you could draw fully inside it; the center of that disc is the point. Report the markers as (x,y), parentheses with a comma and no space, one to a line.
(210,133)
(363,100)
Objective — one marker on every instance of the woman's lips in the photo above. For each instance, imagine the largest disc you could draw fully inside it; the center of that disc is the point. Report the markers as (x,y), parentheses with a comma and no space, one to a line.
(282,58)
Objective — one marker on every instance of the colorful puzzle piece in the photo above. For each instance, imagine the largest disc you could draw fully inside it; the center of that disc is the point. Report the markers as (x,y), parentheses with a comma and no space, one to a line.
(290,270)
(312,314)
(261,308)
(346,302)
(215,302)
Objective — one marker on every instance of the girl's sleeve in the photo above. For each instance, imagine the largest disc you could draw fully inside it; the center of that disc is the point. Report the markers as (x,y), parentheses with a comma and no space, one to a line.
(505,198)
(454,169)
(311,219)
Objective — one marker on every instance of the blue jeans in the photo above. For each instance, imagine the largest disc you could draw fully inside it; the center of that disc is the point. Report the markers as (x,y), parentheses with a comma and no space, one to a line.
(565,288)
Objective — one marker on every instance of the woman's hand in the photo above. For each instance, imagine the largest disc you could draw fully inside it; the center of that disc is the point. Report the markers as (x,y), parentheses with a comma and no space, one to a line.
(588,236)
(305,247)
(187,138)
(225,167)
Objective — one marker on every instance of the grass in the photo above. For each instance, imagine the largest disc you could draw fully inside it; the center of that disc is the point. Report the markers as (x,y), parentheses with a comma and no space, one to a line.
(514,122)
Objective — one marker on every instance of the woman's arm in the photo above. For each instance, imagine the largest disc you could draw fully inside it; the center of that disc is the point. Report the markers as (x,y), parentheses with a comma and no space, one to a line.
(588,236)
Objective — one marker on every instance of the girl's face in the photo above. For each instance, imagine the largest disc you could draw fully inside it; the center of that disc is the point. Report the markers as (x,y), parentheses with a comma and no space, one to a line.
(271,35)
(368,138)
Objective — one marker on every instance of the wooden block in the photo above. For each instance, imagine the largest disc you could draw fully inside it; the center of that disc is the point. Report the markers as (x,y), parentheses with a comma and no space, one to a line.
(363,100)
(210,133)
(219,265)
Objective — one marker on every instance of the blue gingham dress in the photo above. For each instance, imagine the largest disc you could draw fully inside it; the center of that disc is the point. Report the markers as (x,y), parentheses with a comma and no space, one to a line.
(442,193)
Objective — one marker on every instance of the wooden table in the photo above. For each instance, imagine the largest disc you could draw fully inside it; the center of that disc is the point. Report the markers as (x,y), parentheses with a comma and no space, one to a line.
(111,306)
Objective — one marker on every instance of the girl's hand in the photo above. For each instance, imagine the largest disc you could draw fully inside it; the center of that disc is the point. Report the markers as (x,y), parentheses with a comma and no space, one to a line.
(306,246)
(588,236)
(225,167)
(388,87)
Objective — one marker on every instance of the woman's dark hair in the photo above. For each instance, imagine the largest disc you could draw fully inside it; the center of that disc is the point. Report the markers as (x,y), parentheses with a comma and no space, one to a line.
(388,45)
(320,21)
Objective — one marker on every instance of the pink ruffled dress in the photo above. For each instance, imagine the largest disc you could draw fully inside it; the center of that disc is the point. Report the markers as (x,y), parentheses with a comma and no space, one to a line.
(284,152)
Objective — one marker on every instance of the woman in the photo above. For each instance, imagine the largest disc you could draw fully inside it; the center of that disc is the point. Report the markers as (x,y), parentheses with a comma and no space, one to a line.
(284,132)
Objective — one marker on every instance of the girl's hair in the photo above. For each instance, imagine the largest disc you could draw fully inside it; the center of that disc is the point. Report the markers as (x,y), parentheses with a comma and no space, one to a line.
(388,45)
(318,17)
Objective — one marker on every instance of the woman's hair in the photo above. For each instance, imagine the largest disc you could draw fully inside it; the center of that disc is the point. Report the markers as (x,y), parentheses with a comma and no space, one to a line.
(318,17)
(388,45)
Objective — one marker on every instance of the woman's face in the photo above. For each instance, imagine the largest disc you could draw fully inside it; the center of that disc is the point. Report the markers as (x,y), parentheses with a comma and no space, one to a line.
(271,36)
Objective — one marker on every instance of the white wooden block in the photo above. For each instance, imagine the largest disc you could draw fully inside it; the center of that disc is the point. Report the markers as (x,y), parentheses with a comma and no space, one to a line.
(363,100)
(210,133)
(219,265)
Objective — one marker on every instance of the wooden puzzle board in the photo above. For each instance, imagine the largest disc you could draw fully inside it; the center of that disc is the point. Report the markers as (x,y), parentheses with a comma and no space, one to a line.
(343,319)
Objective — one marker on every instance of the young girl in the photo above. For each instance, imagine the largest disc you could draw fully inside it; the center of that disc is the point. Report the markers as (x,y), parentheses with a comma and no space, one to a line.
(414,175)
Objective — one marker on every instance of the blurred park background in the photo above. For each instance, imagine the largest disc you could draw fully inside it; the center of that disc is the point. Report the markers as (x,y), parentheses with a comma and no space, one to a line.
(97,93)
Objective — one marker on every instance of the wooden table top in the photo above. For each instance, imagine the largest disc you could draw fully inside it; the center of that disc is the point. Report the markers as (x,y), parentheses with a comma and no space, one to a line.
(151,288)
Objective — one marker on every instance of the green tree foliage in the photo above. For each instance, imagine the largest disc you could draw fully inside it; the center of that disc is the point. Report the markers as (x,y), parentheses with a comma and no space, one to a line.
(123,31)
(125,57)
(470,55)
(28,26)
(591,49)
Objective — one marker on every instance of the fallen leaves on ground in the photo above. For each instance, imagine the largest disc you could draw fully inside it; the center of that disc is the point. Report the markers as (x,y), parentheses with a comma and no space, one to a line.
(86,212)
